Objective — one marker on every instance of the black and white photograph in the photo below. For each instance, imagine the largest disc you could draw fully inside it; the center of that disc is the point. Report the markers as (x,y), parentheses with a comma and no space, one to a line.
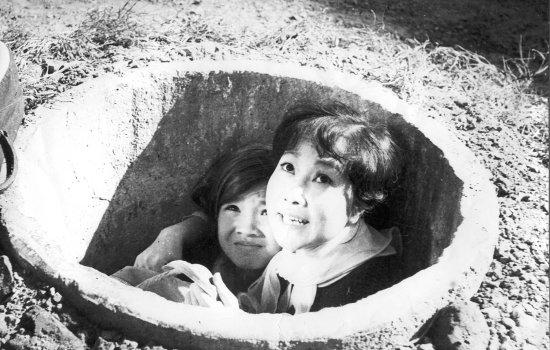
(285,174)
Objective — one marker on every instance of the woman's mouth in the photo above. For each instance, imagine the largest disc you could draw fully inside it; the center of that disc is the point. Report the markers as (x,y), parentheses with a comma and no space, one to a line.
(248,244)
(293,220)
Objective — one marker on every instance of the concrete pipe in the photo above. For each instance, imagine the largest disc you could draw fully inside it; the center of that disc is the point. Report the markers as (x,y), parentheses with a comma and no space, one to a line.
(108,164)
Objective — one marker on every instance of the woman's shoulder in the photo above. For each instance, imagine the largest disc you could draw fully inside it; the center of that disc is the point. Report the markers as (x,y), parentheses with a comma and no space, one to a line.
(366,279)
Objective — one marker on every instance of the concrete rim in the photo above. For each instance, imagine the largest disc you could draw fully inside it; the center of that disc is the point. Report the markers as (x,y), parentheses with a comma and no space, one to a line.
(4,60)
(417,300)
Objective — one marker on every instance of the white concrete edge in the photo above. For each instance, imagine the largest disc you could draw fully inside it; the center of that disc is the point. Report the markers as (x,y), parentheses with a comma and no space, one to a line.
(308,326)
(4,60)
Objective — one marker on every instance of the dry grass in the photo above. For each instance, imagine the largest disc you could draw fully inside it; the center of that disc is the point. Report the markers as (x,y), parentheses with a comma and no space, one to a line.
(101,29)
(452,82)
(111,26)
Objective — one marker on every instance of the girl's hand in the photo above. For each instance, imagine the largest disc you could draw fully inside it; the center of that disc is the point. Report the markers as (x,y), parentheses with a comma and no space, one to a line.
(170,241)
(167,247)
(225,299)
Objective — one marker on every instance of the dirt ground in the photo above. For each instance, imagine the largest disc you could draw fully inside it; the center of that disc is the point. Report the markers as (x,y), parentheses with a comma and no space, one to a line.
(479,67)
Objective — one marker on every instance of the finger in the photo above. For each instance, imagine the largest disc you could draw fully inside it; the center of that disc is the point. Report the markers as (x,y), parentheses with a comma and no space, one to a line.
(140,261)
(202,298)
(191,300)
(148,261)
(177,265)
(197,273)
(227,298)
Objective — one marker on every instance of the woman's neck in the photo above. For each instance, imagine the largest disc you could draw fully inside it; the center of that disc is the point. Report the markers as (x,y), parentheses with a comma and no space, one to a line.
(344,236)
(238,279)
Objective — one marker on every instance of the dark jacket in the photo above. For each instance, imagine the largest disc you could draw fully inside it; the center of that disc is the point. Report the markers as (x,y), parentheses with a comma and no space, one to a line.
(370,277)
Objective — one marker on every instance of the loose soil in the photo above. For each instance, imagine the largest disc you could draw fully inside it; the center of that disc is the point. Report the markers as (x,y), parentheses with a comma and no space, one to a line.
(479,67)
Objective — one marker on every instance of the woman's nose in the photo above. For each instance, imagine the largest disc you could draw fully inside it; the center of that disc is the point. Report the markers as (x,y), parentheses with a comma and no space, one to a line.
(295,196)
(247,225)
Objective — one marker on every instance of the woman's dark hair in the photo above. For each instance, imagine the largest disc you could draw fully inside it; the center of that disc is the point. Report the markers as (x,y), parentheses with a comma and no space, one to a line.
(364,146)
(231,175)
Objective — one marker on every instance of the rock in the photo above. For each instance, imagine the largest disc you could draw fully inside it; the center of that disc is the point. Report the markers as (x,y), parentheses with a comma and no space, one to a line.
(515,293)
(507,344)
(493,344)
(19,342)
(10,319)
(459,326)
(508,322)
(51,66)
(514,335)
(490,284)
(491,312)
(517,313)
(504,186)
(530,310)
(6,279)
(56,298)
(530,278)
(26,342)
(102,344)
(164,58)
(4,330)
(41,323)
(501,330)
(504,259)
(131,344)
(110,335)
(511,283)
(530,329)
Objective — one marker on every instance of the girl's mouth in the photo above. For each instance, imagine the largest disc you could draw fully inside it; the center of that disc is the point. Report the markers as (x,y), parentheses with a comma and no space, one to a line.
(292,220)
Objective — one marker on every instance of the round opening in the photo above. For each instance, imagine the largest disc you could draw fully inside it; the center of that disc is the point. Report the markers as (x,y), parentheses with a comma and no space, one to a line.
(109,164)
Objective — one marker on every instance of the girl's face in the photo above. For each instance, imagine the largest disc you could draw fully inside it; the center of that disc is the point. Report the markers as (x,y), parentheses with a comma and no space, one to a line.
(244,233)
(308,200)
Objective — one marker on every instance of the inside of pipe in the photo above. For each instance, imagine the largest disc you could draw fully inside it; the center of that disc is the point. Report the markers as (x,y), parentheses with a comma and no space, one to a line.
(222,111)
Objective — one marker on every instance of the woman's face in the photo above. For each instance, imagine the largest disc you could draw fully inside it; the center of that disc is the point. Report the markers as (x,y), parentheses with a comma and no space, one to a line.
(308,200)
(244,233)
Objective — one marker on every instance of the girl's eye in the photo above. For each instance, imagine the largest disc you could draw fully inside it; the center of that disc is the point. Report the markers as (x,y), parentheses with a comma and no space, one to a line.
(287,167)
(323,179)
(231,207)
(263,212)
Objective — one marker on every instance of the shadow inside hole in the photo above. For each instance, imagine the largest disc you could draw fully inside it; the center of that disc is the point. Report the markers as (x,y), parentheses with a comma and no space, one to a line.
(222,111)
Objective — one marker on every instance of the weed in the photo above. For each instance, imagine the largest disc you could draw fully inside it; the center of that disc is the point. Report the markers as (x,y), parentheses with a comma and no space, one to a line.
(111,27)
(101,29)
(196,28)
(532,68)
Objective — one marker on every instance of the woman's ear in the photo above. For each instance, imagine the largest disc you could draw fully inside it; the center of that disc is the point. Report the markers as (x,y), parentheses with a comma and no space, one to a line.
(357,211)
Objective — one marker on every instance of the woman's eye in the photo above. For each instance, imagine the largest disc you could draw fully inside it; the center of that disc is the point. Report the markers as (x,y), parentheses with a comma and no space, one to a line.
(263,212)
(287,167)
(231,207)
(323,179)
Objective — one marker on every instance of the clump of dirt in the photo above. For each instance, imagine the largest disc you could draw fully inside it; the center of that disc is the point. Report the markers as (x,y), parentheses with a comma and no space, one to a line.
(476,67)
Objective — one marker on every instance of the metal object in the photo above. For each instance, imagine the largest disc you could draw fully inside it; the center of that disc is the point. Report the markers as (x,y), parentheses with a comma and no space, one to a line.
(11,160)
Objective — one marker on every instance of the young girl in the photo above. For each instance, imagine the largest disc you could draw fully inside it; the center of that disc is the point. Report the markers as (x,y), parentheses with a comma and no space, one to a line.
(333,165)
(231,195)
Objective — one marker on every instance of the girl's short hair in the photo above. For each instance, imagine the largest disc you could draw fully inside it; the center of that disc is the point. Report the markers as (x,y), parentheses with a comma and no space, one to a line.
(364,147)
(231,175)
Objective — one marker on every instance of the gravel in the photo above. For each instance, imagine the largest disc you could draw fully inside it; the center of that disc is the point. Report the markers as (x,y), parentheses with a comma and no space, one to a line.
(499,119)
